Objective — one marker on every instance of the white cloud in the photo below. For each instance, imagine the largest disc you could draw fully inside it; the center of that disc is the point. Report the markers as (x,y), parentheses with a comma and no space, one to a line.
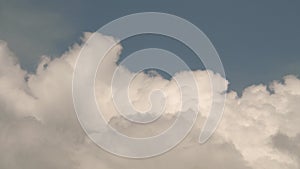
(39,129)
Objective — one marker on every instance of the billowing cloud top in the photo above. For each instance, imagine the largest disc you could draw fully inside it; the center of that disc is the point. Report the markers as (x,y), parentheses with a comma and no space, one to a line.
(39,128)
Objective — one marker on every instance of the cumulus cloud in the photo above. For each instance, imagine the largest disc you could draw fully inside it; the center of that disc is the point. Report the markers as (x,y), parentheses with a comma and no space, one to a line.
(39,128)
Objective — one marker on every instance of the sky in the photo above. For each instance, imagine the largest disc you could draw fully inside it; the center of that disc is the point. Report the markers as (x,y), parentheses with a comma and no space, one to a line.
(257,40)
(48,120)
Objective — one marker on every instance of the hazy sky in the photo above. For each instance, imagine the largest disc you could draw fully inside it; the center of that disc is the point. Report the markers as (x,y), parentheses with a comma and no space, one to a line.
(258,41)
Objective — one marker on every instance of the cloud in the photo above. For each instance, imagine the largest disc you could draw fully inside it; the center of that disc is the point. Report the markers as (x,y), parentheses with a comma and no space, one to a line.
(39,128)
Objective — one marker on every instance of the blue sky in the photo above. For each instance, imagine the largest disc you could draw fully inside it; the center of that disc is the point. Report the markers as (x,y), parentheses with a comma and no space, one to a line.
(41,127)
(257,41)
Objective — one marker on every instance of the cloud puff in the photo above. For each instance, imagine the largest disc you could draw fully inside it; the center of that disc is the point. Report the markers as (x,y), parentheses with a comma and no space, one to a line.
(39,128)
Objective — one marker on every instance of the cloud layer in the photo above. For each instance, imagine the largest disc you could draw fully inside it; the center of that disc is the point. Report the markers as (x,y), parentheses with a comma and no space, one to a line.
(39,128)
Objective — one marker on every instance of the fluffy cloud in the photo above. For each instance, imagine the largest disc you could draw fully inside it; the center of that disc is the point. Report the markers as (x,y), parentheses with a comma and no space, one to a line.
(39,128)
